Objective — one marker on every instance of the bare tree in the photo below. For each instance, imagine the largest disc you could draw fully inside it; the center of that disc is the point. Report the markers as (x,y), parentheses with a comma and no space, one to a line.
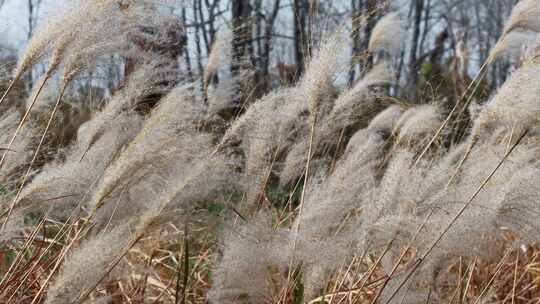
(356,22)
(414,63)
(300,12)
(241,44)
(266,47)
(242,49)
(33,11)
(197,24)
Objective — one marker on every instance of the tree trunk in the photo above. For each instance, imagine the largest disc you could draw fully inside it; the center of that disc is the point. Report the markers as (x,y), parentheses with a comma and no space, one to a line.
(356,22)
(241,51)
(414,64)
(371,12)
(300,35)
(267,46)
(241,12)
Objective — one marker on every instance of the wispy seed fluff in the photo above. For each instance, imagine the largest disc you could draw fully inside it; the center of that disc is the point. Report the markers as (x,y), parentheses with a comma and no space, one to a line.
(85,31)
(353,109)
(221,50)
(87,264)
(323,69)
(254,263)
(280,117)
(387,119)
(158,197)
(525,17)
(94,261)
(19,152)
(335,203)
(58,30)
(273,123)
(60,187)
(331,206)
(360,102)
(140,84)
(513,45)
(418,125)
(515,106)
(156,142)
(387,35)
(170,156)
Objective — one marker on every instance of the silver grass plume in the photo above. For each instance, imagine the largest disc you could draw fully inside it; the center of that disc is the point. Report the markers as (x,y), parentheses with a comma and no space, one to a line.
(330,209)
(95,256)
(388,33)
(141,83)
(223,95)
(525,16)
(78,21)
(514,107)
(60,187)
(18,153)
(335,203)
(360,102)
(98,143)
(283,116)
(182,187)
(322,70)
(220,52)
(155,142)
(170,155)
(356,106)
(273,134)
(407,195)
(387,119)
(254,263)
(513,45)
(83,24)
(62,29)
(280,119)
(417,126)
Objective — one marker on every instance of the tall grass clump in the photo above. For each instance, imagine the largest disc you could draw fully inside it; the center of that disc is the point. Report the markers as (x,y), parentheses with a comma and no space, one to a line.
(319,192)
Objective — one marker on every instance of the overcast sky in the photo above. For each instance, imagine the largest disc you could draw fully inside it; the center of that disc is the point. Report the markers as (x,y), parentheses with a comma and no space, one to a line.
(14,20)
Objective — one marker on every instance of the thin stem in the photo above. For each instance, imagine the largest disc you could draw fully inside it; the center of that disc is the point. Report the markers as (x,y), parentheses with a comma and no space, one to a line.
(469,280)
(462,161)
(302,198)
(23,120)
(499,268)
(36,153)
(515,278)
(401,257)
(456,217)
(478,78)
(11,85)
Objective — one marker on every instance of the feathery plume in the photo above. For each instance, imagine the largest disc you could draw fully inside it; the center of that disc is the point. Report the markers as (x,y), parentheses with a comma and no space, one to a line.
(330,208)
(17,151)
(60,187)
(387,119)
(360,102)
(525,16)
(387,35)
(514,107)
(156,140)
(513,45)
(417,125)
(101,254)
(221,50)
(254,263)
(322,71)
